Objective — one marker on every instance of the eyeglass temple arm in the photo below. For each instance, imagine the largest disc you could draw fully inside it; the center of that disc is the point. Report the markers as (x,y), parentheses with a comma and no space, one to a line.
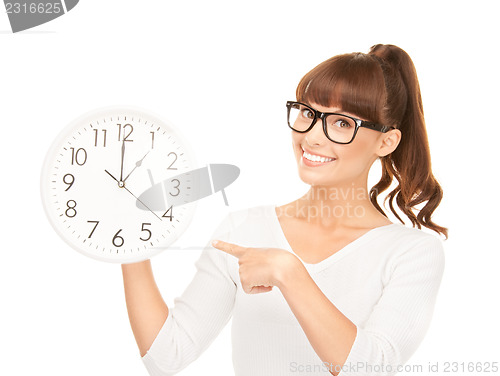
(378,127)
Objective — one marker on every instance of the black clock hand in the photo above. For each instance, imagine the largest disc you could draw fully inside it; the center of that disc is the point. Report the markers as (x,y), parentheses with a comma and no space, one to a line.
(112,176)
(121,185)
(137,164)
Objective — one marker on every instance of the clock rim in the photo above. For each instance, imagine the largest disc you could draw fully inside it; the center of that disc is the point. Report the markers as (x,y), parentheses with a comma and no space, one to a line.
(62,136)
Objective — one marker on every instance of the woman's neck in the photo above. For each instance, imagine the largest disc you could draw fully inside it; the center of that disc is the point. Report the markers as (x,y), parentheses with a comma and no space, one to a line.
(337,206)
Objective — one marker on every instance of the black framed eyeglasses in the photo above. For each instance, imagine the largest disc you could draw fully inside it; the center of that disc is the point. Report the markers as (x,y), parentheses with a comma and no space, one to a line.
(338,128)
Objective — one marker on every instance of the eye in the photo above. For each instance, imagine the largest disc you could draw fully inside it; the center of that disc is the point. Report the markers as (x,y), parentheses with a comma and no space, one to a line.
(307,113)
(342,123)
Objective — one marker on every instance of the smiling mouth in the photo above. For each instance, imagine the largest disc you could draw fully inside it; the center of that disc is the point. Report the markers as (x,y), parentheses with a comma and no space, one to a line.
(316,159)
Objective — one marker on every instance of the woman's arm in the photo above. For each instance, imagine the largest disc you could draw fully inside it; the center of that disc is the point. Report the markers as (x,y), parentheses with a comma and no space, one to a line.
(397,323)
(146,308)
(389,336)
(330,333)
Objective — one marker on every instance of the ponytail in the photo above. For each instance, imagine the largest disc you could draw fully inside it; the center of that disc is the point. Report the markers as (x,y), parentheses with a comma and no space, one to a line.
(410,162)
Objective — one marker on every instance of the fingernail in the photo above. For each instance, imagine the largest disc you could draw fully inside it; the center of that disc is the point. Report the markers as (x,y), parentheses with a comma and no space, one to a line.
(214,243)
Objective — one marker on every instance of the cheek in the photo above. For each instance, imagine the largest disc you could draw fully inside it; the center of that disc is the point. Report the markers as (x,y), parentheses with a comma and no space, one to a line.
(362,147)
(297,140)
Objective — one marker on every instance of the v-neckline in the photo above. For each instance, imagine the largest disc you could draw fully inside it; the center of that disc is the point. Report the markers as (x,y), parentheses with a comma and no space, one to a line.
(364,238)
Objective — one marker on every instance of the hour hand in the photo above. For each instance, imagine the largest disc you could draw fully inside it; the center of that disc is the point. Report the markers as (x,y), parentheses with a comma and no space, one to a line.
(120,183)
(107,172)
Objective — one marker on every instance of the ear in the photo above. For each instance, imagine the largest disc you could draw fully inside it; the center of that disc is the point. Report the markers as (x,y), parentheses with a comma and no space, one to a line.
(389,141)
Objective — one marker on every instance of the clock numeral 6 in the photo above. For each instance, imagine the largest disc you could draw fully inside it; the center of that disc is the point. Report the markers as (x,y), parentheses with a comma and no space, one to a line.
(118,241)
(70,211)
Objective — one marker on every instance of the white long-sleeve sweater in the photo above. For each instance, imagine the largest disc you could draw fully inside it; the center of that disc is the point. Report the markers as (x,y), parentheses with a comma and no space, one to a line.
(385,282)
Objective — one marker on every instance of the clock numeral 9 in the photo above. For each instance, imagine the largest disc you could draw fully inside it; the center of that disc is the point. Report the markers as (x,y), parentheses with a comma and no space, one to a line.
(70,183)
(79,157)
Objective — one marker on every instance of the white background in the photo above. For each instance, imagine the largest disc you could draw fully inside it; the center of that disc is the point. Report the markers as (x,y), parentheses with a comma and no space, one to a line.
(221,71)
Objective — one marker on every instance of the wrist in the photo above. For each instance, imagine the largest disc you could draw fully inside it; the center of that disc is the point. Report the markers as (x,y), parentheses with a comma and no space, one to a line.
(288,270)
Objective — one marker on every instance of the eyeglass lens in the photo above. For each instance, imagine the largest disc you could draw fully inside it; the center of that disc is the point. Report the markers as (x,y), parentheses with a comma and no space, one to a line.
(339,128)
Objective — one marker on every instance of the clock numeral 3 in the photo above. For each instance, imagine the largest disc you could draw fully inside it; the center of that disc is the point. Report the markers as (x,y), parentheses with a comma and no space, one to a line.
(176,187)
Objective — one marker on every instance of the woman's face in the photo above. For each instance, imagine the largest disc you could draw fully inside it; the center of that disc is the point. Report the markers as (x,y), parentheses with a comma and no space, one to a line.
(350,162)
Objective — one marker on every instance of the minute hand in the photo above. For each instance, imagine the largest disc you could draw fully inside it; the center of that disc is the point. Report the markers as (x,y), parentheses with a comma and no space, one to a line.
(123,155)
(137,164)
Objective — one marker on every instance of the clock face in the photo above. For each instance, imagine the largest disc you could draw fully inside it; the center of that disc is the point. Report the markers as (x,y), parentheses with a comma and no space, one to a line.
(94,177)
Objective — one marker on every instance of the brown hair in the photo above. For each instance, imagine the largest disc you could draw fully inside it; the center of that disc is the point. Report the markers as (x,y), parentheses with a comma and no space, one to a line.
(382,87)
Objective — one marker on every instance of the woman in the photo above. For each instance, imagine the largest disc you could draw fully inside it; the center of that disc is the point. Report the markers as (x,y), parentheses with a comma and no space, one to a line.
(354,292)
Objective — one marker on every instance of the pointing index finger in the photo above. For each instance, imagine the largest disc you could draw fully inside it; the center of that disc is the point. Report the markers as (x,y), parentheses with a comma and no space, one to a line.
(232,249)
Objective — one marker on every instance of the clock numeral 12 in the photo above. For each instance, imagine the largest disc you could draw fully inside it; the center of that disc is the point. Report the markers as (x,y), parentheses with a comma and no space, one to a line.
(120,132)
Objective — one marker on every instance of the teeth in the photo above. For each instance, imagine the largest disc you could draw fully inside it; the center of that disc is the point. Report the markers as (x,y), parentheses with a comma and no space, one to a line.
(316,158)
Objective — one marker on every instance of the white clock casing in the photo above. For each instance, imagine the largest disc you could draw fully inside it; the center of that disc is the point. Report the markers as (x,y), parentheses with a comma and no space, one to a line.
(94,173)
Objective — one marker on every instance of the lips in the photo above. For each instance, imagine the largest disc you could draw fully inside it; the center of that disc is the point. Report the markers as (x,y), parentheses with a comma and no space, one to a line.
(315,157)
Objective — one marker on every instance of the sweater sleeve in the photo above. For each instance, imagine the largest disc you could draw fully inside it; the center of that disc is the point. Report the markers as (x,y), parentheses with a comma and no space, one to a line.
(197,316)
(401,317)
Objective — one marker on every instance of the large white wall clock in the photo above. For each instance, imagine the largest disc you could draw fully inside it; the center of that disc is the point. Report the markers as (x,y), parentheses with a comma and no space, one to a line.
(94,176)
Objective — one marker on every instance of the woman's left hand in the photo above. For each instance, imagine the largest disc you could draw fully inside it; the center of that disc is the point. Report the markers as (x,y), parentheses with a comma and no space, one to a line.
(261,268)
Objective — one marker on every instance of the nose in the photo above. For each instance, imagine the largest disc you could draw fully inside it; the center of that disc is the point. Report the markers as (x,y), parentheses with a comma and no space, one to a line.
(316,135)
